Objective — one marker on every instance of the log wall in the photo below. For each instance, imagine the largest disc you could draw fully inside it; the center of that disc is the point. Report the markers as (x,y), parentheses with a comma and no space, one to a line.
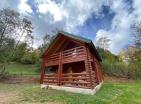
(87,79)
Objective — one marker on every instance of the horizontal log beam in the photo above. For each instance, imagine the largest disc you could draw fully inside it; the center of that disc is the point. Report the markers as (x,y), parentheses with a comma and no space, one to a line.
(50,81)
(75,78)
(67,74)
(80,86)
(73,82)
(50,75)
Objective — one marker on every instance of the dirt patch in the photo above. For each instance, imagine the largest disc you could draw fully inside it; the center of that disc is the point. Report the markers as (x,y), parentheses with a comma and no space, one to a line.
(44,103)
(21,79)
(6,97)
(116,79)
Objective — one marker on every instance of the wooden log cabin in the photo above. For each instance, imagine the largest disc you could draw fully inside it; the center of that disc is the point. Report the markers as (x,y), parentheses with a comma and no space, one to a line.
(71,61)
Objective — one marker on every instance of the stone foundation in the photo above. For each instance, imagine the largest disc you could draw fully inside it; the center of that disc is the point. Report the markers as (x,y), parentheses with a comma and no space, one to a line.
(73,89)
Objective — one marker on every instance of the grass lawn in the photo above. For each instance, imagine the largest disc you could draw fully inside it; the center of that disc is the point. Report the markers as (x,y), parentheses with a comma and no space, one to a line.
(20,69)
(110,93)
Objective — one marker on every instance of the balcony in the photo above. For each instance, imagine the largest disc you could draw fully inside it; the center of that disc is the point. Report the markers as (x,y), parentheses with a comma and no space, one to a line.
(67,56)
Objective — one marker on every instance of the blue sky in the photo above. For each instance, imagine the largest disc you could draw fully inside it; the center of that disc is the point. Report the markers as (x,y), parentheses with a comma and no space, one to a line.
(88,18)
(94,23)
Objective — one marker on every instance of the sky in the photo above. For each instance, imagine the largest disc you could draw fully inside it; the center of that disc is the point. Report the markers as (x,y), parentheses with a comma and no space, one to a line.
(91,19)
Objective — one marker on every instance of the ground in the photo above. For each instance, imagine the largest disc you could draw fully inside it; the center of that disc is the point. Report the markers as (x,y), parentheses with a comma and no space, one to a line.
(26,90)
(31,93)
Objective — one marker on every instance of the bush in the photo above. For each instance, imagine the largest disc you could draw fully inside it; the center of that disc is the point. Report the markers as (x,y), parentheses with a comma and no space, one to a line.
(135,70)
(120,69)
(116,68)
(113,66)
(39,66)
(27,59)
(3,72)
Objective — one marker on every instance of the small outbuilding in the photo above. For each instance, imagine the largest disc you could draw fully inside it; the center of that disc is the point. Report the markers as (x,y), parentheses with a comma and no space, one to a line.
(71,63)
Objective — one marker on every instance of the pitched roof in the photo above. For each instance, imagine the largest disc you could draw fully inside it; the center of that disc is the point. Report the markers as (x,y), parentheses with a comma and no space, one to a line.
(76,37)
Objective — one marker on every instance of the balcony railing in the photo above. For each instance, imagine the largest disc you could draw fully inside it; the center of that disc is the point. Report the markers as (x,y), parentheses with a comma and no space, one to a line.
(70,55)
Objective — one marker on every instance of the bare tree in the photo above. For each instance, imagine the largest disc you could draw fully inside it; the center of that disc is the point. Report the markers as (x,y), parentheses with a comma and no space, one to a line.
(103,43)
(24,33)
(136,55)
(9,20)
(46,39)
(13,27)
(137,35)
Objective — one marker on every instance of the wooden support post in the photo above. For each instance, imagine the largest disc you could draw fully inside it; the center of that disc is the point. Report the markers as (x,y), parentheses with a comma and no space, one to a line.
(97,72)
(88,67)
(43,72)
(60,69)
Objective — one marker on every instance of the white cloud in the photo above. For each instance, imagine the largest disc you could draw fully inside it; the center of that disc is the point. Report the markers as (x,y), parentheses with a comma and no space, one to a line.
(101,33)
(70,13)
(65,15)
(24,7)
(121,28)
(137,9)
(79,11)
(9,4)
(51,7)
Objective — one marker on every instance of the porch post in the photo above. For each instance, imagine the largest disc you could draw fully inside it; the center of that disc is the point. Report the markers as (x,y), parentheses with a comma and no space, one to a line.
(97,72)
(43,71)
(88,67)
(60,69)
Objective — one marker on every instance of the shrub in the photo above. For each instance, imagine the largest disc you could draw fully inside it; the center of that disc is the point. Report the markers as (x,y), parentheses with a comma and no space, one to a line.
(3,72)
(39,66)
(27,59)
(120,69)
(135,70)
(116,68)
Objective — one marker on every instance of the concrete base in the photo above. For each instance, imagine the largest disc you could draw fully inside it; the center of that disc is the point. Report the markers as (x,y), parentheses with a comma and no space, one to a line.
(73,89)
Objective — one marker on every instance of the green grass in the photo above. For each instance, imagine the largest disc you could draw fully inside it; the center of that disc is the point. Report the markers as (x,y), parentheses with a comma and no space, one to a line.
(110,93)
(20,69)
